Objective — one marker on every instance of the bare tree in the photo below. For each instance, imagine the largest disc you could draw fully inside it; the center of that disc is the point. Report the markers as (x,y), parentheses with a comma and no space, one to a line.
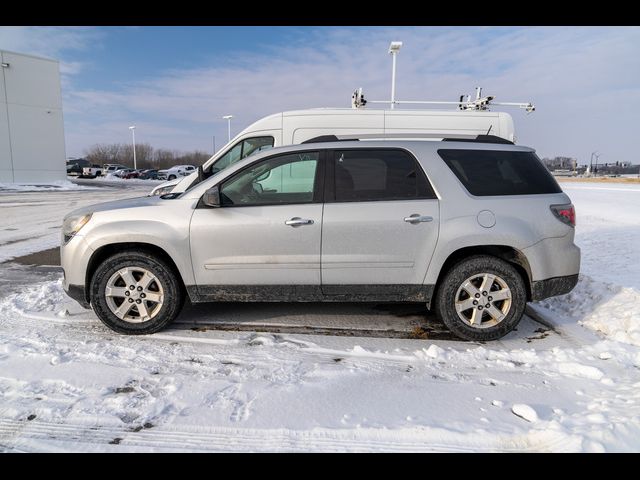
(146,156)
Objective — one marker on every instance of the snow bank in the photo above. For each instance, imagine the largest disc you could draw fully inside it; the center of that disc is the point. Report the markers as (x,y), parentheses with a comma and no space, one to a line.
(62,185)
(110,177)
(45,297)
(609,309)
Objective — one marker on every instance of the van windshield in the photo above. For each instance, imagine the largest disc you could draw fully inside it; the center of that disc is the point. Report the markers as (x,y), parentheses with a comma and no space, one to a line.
(240,150)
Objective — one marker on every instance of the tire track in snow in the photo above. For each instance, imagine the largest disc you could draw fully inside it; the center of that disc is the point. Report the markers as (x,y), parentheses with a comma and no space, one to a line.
(45,436)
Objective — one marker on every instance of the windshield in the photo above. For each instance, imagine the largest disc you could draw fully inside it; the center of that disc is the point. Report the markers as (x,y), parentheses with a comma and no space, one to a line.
(240,150)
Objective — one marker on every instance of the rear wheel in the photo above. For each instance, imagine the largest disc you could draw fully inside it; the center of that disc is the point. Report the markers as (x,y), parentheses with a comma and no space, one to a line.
(135,293)
(481,298)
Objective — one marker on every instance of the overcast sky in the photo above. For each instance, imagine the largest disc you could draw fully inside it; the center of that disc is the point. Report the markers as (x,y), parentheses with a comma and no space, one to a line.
(175,84)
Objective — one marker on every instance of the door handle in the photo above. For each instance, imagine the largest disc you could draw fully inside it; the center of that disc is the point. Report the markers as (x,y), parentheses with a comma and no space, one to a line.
(297,222)
(417,218)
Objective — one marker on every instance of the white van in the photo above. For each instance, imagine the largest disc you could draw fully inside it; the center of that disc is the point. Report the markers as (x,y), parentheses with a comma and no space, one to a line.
(299,126)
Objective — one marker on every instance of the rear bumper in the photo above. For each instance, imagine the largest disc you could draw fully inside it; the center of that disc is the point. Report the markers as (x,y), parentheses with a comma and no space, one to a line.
(552,258)
(552,287)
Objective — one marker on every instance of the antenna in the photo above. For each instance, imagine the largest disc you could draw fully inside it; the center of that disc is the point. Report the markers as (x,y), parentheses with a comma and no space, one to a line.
(357,99)
(479,104)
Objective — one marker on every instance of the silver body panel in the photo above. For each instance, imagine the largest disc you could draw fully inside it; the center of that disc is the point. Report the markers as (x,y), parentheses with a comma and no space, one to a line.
(370,243)
(254,246)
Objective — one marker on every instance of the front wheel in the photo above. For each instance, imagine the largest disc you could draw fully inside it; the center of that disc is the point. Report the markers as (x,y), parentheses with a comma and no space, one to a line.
(172,177)
(481,298)
(136,293)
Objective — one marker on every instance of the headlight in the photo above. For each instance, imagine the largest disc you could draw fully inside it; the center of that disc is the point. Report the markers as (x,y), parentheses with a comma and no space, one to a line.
(73,224)
(162,190)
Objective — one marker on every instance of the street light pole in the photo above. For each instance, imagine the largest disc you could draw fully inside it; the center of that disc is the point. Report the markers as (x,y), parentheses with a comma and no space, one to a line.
(228,119)
(394,48)
(591,162)
(133,135)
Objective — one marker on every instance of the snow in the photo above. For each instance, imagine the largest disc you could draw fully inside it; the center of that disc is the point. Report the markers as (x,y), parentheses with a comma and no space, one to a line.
(62,185)
(110,177)
(68,383)
(525,412)
(607,297)
(31,219)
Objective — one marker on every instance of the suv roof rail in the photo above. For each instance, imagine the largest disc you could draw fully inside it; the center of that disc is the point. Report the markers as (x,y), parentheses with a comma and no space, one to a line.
(328,138)
(481,139)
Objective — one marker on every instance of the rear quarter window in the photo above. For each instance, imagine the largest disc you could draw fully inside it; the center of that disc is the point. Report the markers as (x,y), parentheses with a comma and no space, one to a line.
(500,172)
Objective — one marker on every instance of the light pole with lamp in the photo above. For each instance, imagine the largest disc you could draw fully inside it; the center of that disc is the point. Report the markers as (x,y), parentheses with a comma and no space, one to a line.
(228,119)
(394,48)
(591,162)
(133,135)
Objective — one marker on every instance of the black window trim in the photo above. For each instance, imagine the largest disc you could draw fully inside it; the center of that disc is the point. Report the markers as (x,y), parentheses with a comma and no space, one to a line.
(330,179)
(318,186)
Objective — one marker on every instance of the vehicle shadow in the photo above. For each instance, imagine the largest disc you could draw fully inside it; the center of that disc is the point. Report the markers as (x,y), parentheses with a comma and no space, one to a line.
(394,320)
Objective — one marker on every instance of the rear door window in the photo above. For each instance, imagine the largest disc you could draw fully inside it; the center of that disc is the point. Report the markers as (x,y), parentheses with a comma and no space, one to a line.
(378,175)
(500,172)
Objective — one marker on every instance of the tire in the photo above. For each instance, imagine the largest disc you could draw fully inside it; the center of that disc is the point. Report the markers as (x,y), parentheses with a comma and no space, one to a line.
(165,286)
(171,177)
(464,281)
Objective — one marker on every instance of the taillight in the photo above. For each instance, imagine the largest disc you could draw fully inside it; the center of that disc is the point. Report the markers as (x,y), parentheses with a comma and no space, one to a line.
(565,213)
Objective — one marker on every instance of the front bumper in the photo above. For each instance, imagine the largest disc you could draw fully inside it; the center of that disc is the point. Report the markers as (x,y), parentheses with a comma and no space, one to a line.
(77,292)
(74,259)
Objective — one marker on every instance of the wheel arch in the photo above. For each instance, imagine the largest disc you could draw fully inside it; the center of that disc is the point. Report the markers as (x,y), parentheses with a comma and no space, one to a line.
(509,254)
(106,251)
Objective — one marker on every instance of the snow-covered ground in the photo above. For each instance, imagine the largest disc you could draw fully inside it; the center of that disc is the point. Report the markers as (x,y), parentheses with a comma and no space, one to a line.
(67,383)
(31,216)
(63,185)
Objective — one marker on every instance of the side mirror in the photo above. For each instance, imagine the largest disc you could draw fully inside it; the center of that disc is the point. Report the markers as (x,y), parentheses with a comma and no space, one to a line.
(211,197)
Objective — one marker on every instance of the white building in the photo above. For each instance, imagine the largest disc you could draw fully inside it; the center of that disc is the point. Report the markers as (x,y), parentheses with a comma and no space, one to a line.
(31,124)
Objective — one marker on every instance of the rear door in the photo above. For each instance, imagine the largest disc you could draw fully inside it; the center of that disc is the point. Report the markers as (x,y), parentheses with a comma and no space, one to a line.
(380,222)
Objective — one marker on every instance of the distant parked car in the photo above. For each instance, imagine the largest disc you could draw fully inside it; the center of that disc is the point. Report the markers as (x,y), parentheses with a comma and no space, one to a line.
(120,173)
(132,174)
(150,174)
(111,168)
(175,172)
(75,166)
(92,171)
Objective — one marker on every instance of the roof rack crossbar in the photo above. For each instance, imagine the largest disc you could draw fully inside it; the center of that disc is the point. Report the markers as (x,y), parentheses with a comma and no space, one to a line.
(481,139)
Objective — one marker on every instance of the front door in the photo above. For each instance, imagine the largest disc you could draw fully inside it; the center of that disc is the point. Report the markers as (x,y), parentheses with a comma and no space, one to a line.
(380,224)
(265,238)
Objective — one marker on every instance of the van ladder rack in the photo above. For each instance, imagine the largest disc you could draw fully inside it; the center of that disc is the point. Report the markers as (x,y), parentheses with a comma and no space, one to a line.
(479,104)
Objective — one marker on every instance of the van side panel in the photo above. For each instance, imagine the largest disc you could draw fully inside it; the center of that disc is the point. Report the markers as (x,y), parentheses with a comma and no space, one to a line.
(445,122)
(303,125)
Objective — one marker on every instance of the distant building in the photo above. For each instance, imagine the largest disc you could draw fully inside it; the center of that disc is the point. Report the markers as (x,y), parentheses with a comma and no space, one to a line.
(560,163)
(31,126)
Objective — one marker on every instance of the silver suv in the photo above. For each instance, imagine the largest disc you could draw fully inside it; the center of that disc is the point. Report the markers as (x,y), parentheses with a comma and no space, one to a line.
(471,229)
